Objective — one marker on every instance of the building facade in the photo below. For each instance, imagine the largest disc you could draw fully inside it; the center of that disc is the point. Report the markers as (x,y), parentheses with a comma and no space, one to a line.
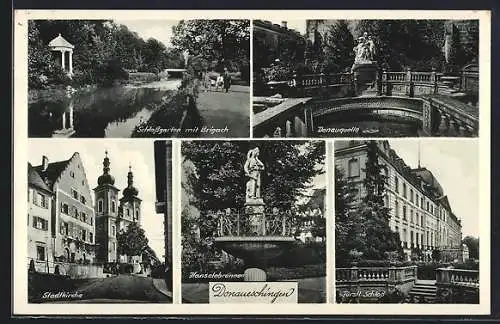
(114,214)
(40,204)
(419,209)
(72,224)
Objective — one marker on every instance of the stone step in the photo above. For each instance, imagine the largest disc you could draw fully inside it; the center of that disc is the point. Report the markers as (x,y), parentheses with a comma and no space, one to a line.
(422,291)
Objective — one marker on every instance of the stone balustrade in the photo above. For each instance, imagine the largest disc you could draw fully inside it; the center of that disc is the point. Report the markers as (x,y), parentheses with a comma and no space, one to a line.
(457,277)
(457,286)
(388,275)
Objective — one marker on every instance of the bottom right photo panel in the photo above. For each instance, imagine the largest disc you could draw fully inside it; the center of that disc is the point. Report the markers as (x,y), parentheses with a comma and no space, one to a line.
(407,221)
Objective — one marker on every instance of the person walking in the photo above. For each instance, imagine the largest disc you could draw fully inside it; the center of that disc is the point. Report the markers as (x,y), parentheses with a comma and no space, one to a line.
(227,80)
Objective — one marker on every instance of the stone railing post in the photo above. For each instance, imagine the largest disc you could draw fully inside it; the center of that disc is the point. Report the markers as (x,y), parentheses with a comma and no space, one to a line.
(384,82)
(391,279)
(408,88)
(434,81)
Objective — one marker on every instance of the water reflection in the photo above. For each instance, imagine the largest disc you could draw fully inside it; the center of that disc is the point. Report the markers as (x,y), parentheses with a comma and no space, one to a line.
(109,112)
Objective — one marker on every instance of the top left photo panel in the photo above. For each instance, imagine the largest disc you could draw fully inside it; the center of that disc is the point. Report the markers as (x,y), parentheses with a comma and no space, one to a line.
(125,78)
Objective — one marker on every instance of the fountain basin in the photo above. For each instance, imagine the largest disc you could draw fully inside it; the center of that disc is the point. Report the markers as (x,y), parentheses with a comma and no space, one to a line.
(255,251)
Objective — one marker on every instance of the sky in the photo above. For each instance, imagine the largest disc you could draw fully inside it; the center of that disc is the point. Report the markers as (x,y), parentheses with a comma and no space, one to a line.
(139,153)
(455,165)
(298,25)
(159,29)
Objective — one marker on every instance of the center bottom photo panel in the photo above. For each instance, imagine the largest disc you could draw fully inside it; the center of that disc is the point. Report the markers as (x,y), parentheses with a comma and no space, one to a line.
(253,221)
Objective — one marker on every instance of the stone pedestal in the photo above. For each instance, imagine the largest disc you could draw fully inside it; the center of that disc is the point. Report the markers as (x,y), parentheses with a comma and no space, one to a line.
(254,208)
(254,274)
(365,77)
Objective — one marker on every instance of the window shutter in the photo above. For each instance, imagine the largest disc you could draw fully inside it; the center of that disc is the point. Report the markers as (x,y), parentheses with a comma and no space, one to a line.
(34,221)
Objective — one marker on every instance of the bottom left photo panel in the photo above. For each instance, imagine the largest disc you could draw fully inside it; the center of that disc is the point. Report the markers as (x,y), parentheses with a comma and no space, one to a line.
(99,221)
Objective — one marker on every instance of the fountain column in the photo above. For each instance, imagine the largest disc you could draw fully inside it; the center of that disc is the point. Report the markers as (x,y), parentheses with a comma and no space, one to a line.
(64,120)
(71,114)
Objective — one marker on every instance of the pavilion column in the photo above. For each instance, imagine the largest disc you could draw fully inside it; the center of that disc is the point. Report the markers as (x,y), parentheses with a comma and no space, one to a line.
(71,114)
(63,61)
(64,120)
(71,62)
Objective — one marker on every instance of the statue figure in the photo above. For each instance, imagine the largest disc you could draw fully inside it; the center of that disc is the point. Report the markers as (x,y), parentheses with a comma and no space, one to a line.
(253,169)
(365,49)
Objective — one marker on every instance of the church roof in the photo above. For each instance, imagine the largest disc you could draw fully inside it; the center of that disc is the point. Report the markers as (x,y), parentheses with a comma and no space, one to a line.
(35,180)
(60,41)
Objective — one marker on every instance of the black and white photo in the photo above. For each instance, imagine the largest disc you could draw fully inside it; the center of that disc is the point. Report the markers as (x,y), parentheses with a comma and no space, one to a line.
(406,222)
(95,232)
(138,78)
(253,221)
(366,78)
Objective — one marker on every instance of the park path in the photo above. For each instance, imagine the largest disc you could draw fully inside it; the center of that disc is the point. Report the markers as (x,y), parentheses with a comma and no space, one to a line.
(220,109)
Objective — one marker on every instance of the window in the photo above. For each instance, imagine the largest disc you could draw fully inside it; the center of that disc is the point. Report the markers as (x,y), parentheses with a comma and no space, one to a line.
(422,202)
(427,206)
(422,220)
(411,195)
(99,206)
(91,220)
(411,215)
(113,206)
(84,235)
(396,184)
(404,212)
(83,200)
(411,237)
(427,238)
(34,199)
(91,237)
(72,174)
(75,213)
(65,228)
(83,217)
(353,168)
(396,229)
(40,223)
(113,230)
(432,209)
(396,209)
(114,247)
(128,212)
(74,193)
(416,199)
(386,203)
(404,189)
(83,182)
(65,209)
(40,253)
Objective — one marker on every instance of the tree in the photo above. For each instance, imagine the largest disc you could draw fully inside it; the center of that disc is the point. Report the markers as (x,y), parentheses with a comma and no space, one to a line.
(132,240)
(473,245)
(339,44)
(225,41)
(378,236)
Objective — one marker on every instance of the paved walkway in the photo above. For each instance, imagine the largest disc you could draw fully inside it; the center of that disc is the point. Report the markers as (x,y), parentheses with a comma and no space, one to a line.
(425,282)
(220,109)
(161,286)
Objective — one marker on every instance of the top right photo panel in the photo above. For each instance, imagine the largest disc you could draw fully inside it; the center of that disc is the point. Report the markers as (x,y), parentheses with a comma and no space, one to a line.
(366,78)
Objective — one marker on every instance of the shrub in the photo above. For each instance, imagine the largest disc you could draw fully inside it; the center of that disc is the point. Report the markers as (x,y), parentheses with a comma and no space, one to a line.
(306,271)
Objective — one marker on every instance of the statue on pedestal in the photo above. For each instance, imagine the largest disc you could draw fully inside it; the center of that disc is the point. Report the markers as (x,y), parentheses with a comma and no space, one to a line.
(253,169)
(365,49)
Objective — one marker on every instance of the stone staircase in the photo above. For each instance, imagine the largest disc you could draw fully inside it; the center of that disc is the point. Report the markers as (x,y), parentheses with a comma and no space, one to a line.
(447,86)
(424,291)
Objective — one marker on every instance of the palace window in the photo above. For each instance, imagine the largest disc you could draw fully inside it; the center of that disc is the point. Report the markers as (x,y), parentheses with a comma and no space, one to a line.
(91,237)
(113,206)
(91,220)
(100,206)
(65,228)
(411,215)
(416,200)
(83,200)
(72,174)
(404,189)
(422,202)
(83,217)
(411,195)
(404,212)
(427,206)
(128,212)
(396,184)
(422,220)
(40,253)
(75,213)
(396,208)
(353,168)
(84,235)
(113,230)
(74,193)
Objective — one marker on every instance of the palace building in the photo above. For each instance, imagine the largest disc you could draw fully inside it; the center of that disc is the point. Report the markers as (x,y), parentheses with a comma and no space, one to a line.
(419,208)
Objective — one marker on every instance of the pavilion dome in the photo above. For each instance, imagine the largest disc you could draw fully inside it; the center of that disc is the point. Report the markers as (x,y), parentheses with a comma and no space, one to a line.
(60,42)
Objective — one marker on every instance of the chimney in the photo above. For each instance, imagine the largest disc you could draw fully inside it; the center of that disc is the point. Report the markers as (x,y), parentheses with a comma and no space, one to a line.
(284,24)
(45,163)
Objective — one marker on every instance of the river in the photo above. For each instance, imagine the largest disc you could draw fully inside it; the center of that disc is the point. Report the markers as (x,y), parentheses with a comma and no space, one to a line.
(101,112)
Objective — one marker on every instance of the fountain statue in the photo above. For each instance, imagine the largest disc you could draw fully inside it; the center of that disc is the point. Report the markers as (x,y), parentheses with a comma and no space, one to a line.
(365,68)
(256,246)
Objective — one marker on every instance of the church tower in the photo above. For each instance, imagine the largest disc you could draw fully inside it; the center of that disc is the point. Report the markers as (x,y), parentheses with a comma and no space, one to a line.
(106,214)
